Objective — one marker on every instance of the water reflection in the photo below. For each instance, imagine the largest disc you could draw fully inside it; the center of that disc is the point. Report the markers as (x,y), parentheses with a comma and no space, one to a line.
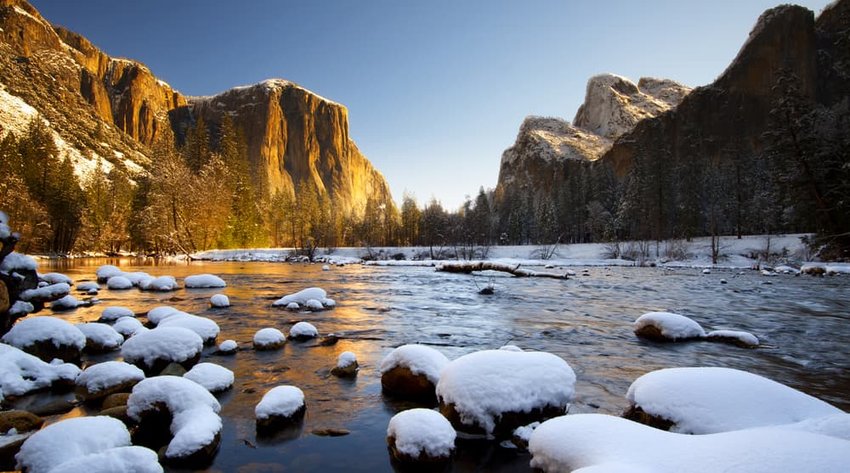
(802,321)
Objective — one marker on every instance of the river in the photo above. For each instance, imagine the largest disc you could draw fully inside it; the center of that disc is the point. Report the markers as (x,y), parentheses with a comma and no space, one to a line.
(803,323)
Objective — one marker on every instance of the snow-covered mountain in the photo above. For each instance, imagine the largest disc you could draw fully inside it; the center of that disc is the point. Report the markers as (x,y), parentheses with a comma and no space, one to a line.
(112,109)
(546,149)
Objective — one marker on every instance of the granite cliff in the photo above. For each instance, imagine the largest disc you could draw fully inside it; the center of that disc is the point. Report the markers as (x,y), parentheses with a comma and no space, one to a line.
(113,108)
(761,149)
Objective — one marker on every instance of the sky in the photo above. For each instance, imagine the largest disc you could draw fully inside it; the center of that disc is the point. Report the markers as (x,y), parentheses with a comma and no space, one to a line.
(436,90)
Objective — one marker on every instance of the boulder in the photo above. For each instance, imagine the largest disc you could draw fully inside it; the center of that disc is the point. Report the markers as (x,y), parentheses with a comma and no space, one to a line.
(421,438)
(412,372)
(281,407)
(104,379)
(269,339)
(115,400)
(667,327)
(21,421)
(180,413)
(47,338)
(9,447)
(4,298)
(155,349)
(492,392)
(346,365)
(100,338)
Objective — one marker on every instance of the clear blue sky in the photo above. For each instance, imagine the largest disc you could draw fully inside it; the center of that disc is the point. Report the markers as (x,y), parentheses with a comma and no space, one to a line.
(436,90)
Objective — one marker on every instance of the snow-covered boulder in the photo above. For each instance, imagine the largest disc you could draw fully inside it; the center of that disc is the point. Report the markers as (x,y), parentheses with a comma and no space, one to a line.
(733,337)
(49,449)
(107,271)
(710,400)
(103,379)
(100,338)
(214,378)
(22,373)
(159,284)
(412,371)
(206,328)
(119,283)
(44,294)
(203,281)
(269,339)
(219,300)
(293,306)
(228,347)
(155,349)
(67,303)
(492,392)
(195,424)
(47,338)
(21,309)
(313,298)
(111,314)
(813,269)
(303,331)
(667,327)
(129,326)
(132,459)
(56,278)
(280,406)
(346,365)
(421,437)
(158,314)
(601,443)
(89,287)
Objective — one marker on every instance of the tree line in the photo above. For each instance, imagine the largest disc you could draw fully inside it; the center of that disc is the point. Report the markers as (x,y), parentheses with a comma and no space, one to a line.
(202,193)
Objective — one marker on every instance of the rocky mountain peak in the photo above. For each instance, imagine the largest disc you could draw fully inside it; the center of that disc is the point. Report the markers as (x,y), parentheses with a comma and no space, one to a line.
(613,104)
(114,108)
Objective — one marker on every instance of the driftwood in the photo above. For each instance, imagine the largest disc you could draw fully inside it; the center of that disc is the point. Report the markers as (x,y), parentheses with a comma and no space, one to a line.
(468,267)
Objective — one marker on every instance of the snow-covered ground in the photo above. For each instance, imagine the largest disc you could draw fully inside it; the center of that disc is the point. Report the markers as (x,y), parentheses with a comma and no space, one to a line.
(734,253)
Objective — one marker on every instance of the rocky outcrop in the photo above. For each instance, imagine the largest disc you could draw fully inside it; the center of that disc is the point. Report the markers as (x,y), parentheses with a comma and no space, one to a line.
(733,112)
(294,135)
(770,129)
(548,151)
(613,104)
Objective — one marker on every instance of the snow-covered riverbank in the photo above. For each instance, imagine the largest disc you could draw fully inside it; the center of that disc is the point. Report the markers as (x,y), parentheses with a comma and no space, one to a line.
(734,253)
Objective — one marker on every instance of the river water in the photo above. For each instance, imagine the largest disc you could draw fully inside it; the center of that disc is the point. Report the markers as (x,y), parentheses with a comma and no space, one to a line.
(803,323)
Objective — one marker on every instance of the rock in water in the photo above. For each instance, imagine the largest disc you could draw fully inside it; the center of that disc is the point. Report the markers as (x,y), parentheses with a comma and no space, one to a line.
(421,437)
(412,372)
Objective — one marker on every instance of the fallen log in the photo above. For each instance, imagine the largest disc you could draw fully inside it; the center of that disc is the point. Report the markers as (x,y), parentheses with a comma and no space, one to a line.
(468,267)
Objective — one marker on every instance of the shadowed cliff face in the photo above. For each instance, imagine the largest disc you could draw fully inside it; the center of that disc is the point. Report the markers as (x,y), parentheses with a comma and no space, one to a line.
(732,113)
(292,134)
(549,151)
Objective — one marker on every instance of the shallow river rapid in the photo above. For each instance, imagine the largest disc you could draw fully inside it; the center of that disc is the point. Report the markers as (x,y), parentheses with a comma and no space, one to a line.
(803,323)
